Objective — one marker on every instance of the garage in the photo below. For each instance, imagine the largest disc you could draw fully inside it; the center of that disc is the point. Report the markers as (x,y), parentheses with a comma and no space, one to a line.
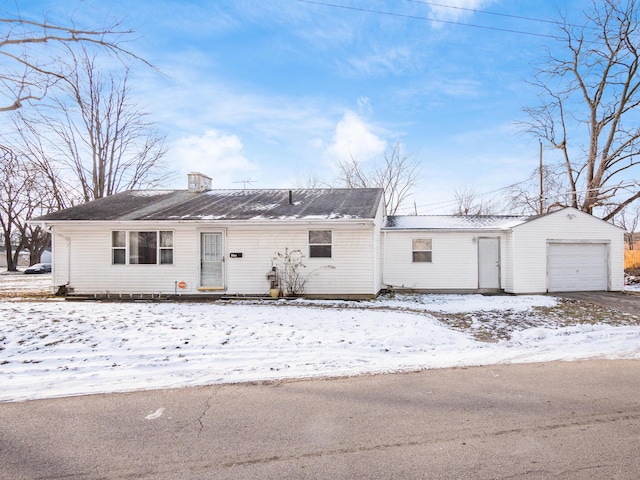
(573,267)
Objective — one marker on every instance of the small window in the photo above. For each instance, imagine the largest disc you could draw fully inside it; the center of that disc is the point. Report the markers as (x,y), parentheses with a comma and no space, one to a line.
(119,247)
(421,250)
(319,243)
(166,248)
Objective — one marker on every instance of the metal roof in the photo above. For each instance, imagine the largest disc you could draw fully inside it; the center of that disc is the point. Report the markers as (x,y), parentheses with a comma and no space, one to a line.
(160,205)
(454,222)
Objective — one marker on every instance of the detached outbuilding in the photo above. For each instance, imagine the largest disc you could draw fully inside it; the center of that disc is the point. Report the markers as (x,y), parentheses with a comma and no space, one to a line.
(204,242)
(567,250)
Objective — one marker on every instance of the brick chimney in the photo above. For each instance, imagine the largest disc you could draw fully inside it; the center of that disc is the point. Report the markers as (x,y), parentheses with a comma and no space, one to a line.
(198,182)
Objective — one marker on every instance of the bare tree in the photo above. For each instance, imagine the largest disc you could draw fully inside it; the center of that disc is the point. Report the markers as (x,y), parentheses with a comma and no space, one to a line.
(12,191)
(34,146)
(310,180)
(34,62)
(628,219)
(397,174)
(590,91)
(525,197)
(469,202)
(21,196)
(93,130)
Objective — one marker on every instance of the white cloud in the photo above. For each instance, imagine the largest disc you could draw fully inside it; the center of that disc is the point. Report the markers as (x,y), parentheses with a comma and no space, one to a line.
(215,154)
(364,105)
(395,60)
(453,10)
(354,138)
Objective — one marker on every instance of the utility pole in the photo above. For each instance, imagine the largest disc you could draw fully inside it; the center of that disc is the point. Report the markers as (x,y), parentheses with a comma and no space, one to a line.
(541,187)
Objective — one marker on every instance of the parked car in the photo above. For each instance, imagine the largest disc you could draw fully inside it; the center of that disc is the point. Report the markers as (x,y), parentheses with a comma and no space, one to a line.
(39,268)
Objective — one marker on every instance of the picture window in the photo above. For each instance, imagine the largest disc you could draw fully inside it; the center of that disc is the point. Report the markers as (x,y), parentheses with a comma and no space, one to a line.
(142,248)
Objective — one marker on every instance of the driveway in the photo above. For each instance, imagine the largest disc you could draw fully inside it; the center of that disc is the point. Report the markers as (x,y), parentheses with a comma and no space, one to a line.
(624,302)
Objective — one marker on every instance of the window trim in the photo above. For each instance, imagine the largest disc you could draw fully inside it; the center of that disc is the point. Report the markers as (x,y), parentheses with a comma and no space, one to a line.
(161,246)
(118,248)
(321,246)
(417,252)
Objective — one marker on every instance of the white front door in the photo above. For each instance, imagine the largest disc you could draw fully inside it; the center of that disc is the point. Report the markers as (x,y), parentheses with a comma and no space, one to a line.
(489,263)
(211,261)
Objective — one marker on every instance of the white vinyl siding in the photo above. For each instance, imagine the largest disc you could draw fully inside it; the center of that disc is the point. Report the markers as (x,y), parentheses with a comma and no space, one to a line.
(376,259)
(454,265)
(90,269)
(60,247)
(507,261)
(350,270)
(530,242)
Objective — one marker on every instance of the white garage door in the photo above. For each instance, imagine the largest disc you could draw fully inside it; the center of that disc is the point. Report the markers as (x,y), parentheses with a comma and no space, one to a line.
(574,267)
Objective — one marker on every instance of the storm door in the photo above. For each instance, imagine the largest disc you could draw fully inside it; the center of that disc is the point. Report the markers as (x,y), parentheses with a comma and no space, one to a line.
(211,261)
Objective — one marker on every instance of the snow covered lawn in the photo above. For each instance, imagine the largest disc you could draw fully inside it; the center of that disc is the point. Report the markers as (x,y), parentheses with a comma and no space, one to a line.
(49,347)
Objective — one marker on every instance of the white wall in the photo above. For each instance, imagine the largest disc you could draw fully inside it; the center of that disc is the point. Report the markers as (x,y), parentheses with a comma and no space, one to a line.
(89,270)
(59,260)
(530,244)
(349,271)
(377,247)
(454,263)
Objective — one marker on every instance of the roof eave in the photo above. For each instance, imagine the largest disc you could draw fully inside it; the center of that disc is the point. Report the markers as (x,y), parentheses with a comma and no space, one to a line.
(446,230)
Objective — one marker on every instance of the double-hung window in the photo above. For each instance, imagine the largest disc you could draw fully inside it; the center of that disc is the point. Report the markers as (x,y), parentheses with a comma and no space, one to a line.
(144,248)
(119,247)
(421,250)
(320,243)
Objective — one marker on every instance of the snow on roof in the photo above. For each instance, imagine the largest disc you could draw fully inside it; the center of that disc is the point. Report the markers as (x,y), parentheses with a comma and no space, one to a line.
(454,222)
(153,205)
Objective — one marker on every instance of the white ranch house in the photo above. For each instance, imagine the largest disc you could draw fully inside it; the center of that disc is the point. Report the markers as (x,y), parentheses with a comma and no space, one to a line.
(204,242)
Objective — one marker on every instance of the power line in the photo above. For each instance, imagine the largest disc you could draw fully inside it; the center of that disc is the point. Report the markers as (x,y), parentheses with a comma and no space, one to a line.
(418,17)
(478,195)
(485,12)
(630,183)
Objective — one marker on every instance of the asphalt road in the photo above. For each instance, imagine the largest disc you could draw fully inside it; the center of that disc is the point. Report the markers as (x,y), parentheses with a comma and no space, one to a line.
(576,420)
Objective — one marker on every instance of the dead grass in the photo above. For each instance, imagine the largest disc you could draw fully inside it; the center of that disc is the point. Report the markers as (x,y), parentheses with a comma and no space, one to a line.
(25,294)
(486,326)
(491,326)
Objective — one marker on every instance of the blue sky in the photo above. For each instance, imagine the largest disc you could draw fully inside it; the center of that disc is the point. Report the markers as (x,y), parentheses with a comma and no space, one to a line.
(273,91)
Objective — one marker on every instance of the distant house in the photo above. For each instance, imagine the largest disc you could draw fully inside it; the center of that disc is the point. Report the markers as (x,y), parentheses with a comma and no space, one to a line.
(23,258)
(46,257)
(208,242)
